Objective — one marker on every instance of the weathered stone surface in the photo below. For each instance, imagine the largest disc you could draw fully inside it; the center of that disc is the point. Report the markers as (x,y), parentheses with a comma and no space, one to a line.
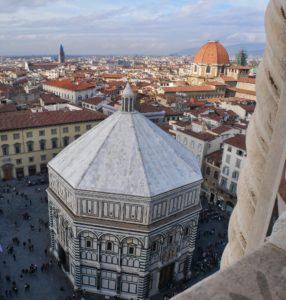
(258,276)
(257,182)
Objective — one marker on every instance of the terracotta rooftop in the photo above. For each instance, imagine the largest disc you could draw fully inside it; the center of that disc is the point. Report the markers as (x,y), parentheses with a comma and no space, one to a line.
(185,89)
(215,157)
(10,107)
(247,80)
(70,85)
(215,83)
(212,53)
(94,100)
(228,78)
(239,67)
(242,91)
(111,76)
(221,129)
(237,141)
(204,136)
(27,119)
(49,98)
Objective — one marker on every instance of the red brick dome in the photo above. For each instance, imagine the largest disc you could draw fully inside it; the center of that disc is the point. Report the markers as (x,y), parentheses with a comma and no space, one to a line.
(212,53)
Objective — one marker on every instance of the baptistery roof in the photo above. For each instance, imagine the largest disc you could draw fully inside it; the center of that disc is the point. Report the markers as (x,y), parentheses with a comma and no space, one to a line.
(127,154)
(212,53)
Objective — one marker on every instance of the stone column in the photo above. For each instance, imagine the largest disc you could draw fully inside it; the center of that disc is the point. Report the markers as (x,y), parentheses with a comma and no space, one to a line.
(143,287)
(265,144)
(51,227)
(76,255)
(143,282)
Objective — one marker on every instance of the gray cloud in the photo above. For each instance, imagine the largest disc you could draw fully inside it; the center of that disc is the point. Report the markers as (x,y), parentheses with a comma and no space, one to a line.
(152,28)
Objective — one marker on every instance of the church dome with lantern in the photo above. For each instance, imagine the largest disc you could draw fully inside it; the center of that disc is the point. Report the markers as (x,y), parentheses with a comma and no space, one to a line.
(209,62)
(212,53)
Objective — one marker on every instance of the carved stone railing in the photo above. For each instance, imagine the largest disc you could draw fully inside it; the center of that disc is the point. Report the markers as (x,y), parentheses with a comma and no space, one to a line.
(265,143)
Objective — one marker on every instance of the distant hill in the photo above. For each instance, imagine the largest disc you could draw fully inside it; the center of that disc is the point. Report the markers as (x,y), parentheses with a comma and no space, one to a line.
(253,49)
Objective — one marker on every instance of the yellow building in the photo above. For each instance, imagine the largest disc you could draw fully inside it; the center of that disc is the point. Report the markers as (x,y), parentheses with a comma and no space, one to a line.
(29,140)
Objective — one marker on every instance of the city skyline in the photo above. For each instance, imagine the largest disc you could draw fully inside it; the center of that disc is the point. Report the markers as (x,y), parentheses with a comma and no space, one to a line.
(33,27)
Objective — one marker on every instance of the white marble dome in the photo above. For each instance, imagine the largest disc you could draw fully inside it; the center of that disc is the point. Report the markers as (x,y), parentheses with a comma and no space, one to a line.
(129,155)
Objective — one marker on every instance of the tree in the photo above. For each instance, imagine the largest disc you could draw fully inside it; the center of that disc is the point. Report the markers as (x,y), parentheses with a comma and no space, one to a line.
(241,58)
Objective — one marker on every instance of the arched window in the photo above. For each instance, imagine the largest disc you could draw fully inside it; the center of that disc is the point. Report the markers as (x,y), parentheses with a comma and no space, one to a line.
(88,243)
(30,146)
(17,148)
(186,231)
(76,136)
(109,246)
(195,68)
(208,170)
(131,250)
(154,246)
(5,149)
(208,70)
(42,145)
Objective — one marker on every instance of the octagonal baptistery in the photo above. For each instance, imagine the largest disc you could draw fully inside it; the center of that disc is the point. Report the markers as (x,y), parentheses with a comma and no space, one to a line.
(124,206)
(209,62)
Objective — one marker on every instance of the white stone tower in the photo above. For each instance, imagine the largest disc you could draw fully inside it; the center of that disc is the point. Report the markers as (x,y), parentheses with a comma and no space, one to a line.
(124,206)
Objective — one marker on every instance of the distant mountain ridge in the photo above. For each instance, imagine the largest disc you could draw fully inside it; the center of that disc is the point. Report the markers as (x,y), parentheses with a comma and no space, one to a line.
(253,49)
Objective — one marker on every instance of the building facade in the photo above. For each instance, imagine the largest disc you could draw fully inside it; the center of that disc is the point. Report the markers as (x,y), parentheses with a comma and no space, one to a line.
(74,92)
(124,207)
(28,141)
(234,152)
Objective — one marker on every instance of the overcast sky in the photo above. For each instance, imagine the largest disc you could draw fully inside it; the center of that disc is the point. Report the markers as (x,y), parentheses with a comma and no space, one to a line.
(126,27)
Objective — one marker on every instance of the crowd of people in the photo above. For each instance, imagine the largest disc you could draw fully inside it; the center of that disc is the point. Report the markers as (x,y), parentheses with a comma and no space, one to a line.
(211,240)
(21,227)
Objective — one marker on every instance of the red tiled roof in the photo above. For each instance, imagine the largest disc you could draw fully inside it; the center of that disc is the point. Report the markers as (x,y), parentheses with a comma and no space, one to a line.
(212,53)
(215,83)
(10,107)
(70,85)
(215,157)
(228,78)
(204,136)
(239,67)
(94,100)
(248,108)
(247,80)
(194,88)
(242,91)
(27,119)
(111,76)
(221,129)
(51,99)
(237,141)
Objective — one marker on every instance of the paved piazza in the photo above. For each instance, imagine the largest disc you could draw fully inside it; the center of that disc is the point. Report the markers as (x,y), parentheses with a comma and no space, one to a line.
(18,199)
(24,217)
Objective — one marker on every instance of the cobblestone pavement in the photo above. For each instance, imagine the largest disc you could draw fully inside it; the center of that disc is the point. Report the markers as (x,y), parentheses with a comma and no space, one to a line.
(44,285)
(27,199)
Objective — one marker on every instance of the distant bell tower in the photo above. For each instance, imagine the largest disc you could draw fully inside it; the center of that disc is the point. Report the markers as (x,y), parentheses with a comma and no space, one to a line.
(62,56)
